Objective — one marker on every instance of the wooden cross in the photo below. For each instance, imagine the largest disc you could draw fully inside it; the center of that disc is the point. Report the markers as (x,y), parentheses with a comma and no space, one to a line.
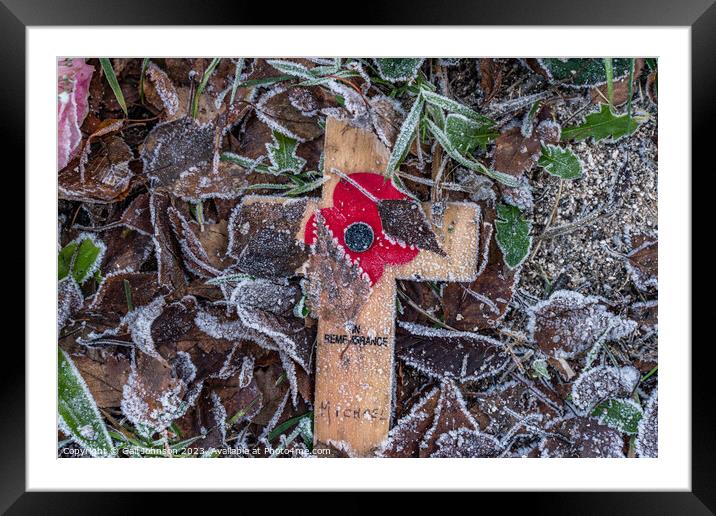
(354,359)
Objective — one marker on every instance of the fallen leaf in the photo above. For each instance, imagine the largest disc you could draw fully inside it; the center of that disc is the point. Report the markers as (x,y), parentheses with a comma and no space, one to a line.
(568,323)
(107,176)
(581,437)
(262,237)
(405,222)
(642,264)
(442,354)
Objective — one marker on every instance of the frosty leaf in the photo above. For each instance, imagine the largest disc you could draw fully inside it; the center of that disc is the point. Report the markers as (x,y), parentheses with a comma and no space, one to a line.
(175,147)
(623,415)
(157,392)
(560,162)
(515,154)
(282,154)
(504,408)
(73,81)
(403,439)
(267,308)
(126,250)
(647,439)
(105,372)
(643,265)
(387,116)
(465,443)
(601,383)
(581,437)
(466,134)
(451,415)
(441,411)
(137,215)
(78,416)
(203,251)
(569,323)
(512,235)
(262,236)
(446,144)
(337,288)
(105,178)
(398,69)
(600,125)
(276,110)
(69,300)
(111,297)
(169,271)
(161,93)
(441,354)
(405,137)
(581,72)
(80,258)
(646,313)
(452,106)
(405,221)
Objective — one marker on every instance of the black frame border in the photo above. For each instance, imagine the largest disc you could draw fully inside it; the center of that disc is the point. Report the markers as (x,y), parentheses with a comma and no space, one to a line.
(700,15)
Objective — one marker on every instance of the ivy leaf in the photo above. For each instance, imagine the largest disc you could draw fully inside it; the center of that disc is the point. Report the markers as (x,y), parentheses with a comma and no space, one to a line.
(81,258)
(398,69)
(600,125)
(583,72)
(78,415)
(405,136)
(622,415)
(466,134)
(446,144)
(513,235)
(560,162)
(282,154)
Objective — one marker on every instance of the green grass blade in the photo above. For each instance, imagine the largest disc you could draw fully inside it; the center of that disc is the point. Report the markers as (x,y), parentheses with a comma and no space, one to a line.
(199,89)
(113,82)
(77,411)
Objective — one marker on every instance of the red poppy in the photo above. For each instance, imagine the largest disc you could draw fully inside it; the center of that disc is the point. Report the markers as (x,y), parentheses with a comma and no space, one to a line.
(355,222)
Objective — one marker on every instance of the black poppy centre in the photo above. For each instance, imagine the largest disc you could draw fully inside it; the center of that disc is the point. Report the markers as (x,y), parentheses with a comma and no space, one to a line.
(358,237)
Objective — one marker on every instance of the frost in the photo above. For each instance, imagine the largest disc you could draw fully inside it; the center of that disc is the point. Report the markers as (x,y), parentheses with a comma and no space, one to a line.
(568,323)
(441,353)
(647,439)
(601,383)
(139,322)
(73,81)
(265,114)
